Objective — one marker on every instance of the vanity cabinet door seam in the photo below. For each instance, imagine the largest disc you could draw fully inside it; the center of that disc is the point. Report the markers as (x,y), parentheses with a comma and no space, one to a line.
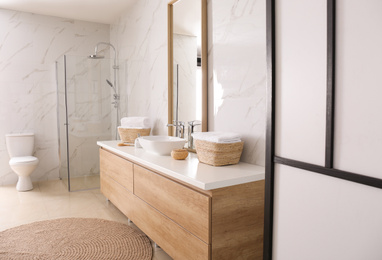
(117,194)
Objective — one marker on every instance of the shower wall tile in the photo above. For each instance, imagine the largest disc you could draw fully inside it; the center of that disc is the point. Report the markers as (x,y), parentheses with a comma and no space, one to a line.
(29,46)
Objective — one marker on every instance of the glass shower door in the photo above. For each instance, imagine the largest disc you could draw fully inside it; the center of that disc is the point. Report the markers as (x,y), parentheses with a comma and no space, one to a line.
(84,118)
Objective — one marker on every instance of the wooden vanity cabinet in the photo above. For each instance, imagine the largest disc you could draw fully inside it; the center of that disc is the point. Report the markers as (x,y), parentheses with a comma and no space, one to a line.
(187,222)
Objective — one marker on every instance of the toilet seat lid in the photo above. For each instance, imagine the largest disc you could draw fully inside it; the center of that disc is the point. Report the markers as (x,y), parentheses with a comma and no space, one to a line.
(23,159)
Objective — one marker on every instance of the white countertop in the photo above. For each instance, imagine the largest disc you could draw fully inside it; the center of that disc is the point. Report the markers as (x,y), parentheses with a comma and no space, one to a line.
(190,170)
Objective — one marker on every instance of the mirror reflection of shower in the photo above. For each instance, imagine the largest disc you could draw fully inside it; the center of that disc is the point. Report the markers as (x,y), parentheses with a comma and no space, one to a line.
(113,85)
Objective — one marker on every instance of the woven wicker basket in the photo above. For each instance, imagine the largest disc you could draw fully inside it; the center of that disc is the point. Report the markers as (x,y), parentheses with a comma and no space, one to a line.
(128,135)
(218,154)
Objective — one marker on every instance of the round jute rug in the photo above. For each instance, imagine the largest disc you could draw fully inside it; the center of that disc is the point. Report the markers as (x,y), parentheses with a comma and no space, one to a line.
(74,238)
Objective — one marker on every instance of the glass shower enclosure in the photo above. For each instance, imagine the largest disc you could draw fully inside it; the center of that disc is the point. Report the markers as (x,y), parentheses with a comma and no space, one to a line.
(85,116)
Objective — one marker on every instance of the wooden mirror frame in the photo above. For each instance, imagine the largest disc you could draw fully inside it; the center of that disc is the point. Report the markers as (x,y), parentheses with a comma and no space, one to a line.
(204,57)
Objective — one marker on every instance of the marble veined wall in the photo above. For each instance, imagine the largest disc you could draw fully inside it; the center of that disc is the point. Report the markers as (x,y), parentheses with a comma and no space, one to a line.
(140,36)
(29,46)
(237,73)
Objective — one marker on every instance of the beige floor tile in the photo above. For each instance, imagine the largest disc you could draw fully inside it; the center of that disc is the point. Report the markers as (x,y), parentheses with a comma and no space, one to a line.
(24,214)
(75,204)
(8,196)
(31,196)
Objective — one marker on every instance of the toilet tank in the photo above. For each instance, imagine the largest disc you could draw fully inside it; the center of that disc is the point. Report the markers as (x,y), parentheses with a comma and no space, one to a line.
(20,144)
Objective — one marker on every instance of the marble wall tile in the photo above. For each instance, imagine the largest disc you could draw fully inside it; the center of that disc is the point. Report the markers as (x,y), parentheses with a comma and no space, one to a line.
(29,46)
(237,73)
(141,37)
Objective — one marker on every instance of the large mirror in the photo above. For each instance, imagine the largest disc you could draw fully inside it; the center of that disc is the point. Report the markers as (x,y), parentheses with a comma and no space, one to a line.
(187,63)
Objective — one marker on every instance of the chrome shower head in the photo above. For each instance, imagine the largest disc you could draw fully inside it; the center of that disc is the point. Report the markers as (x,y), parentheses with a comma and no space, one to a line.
(95,56)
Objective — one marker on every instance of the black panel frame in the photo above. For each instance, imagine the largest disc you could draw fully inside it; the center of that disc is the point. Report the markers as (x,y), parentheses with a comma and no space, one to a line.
(271,159)
(270,131)
(344,175)
(330,83)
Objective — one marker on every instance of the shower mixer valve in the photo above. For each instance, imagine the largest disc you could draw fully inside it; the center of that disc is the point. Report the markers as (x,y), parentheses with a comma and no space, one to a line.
(116,100)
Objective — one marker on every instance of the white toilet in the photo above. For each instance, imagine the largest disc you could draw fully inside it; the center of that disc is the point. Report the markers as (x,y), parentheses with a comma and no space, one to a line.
(20,149)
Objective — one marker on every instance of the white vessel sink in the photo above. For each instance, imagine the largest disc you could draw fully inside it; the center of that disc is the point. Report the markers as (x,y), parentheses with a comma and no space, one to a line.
(161,145)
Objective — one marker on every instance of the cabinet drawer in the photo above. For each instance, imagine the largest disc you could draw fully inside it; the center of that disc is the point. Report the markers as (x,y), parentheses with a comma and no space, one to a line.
(117,168)
(175,240)
(187,207)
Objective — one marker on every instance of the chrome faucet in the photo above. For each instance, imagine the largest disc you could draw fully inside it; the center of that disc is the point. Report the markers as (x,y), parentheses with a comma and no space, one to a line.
(191,126)
(179,128)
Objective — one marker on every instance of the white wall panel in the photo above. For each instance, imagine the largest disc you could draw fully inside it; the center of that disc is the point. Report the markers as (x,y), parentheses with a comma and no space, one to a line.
(301,80)
(358,118)
(318,217)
